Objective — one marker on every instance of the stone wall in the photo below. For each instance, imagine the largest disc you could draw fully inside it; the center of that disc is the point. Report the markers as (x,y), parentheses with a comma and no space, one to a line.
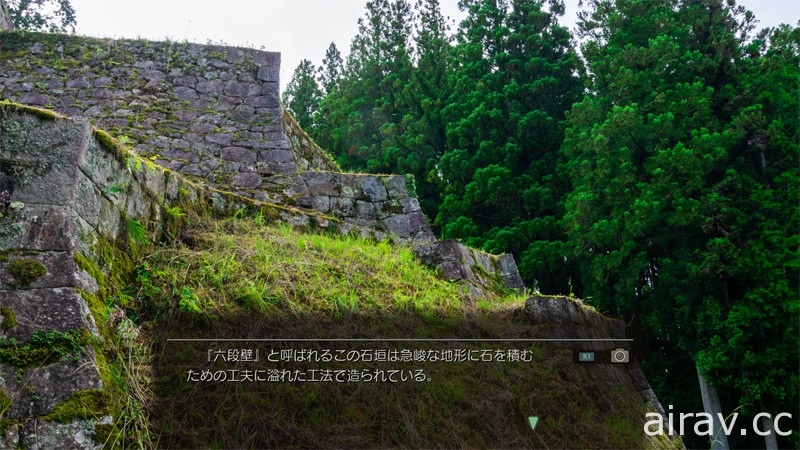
(213,113)
(37,230)
(74,208)
(377,206)
(72,200)
(207,111)
(310,156)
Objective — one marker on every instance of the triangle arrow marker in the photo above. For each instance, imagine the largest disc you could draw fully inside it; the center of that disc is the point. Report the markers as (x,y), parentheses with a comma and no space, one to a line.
(533,420)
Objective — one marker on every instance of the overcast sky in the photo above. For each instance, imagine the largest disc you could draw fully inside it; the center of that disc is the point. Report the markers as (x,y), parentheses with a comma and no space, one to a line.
(297,28)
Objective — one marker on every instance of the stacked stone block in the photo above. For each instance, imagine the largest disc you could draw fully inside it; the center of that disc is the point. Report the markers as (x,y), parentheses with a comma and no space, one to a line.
(42,178)
(310,156)
(207,111)
(70,194)
(378,206)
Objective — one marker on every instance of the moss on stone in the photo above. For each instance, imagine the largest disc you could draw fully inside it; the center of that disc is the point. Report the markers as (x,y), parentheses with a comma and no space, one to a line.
(392,207)
(26,271)
(21,40)
(112,145)
(224,179)
(5,254)
(45,347)
(89,267)
(89,404)
(482,272)
(313,147)
(111,267)
(5,402)
(46,114)
(9,318)
(106,433)
(119,267)
(6,424)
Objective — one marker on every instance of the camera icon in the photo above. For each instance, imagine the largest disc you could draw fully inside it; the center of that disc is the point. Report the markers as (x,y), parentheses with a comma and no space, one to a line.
(620,356)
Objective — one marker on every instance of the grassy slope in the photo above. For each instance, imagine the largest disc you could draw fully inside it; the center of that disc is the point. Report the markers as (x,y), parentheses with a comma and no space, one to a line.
(239,278)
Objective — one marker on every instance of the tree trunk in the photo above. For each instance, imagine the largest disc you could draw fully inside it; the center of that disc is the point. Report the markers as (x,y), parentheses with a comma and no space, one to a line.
(771,439)
(5,19)
(711,405)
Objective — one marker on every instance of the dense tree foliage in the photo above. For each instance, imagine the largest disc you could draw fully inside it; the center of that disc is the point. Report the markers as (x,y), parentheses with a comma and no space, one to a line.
(331,70)
(516,74)
(384,112)
(303,95)
(41,15)
(366,109)
(684,164)
(660,180)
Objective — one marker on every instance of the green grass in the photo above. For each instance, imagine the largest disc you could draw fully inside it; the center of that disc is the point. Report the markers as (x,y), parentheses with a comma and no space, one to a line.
(241,278)
(237,264)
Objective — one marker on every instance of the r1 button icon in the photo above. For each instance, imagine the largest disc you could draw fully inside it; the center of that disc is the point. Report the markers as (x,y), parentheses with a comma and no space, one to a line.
(586,356)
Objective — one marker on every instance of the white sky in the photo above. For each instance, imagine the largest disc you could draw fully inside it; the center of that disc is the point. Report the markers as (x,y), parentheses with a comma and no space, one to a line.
(297,28)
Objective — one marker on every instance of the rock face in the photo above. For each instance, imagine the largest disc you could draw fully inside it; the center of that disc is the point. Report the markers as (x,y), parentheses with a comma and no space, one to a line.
(480,271)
